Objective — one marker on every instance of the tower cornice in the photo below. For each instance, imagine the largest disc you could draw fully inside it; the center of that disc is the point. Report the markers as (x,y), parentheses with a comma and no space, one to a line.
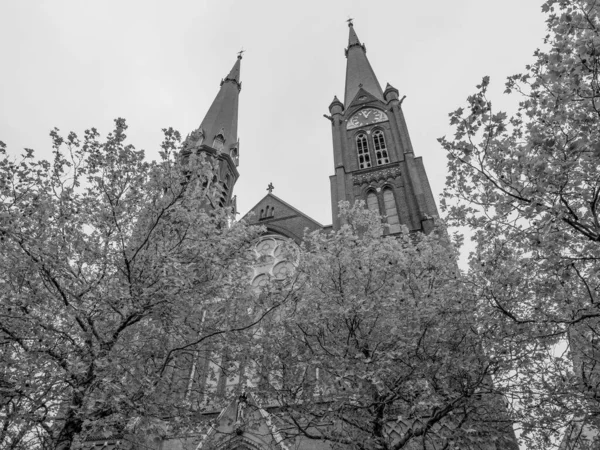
(356,44)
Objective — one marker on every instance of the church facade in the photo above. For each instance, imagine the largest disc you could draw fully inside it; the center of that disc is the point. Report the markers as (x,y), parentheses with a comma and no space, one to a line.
(374,161)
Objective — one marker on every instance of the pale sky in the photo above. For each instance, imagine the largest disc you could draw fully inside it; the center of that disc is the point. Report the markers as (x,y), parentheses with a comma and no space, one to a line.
(80,64)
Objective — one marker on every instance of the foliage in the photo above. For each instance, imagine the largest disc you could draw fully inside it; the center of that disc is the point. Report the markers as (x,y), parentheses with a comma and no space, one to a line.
(113,271)
(380,349)
(529,186)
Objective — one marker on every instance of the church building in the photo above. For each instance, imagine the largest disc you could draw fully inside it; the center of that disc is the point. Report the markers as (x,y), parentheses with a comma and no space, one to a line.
(374,161)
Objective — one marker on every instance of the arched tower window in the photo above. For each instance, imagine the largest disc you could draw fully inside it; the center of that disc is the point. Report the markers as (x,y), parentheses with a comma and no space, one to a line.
(381,152)
(362,147)
(391,211)
(372,202)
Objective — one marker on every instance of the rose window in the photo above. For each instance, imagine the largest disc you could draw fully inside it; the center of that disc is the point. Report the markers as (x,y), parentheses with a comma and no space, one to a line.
(274,259)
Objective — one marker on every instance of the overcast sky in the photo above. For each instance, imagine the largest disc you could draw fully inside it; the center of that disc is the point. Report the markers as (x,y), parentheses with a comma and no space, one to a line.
(79,64)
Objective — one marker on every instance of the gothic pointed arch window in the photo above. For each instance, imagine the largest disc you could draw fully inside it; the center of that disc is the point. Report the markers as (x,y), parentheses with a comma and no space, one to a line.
(391,210)
(362,148)
(372,202)
(381,153)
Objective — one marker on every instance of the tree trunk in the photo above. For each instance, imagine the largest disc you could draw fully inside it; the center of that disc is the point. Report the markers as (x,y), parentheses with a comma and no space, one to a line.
(72,426)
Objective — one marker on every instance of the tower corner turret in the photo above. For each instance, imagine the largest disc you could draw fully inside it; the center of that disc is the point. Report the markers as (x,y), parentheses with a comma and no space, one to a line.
(390,93)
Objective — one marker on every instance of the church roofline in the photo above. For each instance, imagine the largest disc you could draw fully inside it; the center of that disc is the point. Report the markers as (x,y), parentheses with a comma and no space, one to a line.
(296,210)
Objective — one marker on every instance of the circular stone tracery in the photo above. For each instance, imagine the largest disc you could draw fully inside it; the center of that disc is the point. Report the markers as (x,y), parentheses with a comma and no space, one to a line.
(274,258)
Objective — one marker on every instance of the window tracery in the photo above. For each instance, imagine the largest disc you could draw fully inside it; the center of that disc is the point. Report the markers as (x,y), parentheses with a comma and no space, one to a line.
(381,153)
(275,258)
(362,148)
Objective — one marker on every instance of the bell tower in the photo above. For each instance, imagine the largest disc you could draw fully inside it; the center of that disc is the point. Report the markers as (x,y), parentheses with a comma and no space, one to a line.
(217,138)
(373,156)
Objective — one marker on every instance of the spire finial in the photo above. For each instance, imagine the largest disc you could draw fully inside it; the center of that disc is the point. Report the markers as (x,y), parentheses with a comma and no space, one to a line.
(352,37)
(240,53)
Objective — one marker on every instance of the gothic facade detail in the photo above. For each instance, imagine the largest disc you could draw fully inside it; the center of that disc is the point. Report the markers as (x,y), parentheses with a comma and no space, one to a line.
(377,176)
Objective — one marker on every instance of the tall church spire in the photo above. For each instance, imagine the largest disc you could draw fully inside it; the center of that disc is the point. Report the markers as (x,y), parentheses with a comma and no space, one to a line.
(219,127)
(373,157)
(359,73)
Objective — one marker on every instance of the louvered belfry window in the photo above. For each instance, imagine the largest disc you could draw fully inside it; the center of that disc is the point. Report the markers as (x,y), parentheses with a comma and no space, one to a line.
(362,147)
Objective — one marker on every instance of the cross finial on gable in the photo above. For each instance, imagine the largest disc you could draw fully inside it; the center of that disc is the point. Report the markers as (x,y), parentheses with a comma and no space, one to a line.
(270,187)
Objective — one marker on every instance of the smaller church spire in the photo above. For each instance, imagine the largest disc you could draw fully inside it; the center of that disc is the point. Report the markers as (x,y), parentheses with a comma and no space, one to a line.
(390,92)
(336,106)
(336,101)
(221,120)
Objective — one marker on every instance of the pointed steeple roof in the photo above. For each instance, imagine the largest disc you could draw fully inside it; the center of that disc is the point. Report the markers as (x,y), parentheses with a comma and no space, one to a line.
(222,116)
(353,38)
(359,73)
(336,101)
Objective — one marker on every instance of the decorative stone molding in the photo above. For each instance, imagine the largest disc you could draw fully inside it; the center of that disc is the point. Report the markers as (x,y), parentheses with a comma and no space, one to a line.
(234,81)
(355,44)
(377,175)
